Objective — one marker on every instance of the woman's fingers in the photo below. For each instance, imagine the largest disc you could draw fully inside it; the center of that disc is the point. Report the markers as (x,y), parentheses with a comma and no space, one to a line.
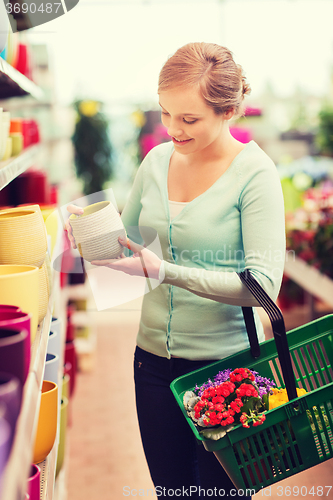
(73,209)
(134,247)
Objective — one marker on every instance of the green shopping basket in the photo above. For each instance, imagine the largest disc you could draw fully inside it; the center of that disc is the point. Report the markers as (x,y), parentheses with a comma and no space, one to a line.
(294,436)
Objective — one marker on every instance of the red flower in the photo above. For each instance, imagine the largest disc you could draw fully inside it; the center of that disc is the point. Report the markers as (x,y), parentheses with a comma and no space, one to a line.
(247,390)
(241,374)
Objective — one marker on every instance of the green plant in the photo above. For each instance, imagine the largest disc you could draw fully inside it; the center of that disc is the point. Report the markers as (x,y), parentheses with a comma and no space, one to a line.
(324,137)
(92,147)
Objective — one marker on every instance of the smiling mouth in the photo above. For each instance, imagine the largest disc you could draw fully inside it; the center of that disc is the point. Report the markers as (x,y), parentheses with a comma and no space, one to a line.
(181,141)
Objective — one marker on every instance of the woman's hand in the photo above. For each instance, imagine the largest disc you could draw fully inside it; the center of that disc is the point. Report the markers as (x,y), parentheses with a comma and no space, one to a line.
(73,209)
(142,263)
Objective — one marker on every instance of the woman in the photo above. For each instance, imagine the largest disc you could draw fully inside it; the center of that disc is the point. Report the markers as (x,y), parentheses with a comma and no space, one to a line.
(217,207)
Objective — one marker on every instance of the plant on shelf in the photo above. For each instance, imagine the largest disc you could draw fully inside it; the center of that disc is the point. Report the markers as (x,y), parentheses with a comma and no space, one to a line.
(324,137)
(310,228)
(92,146)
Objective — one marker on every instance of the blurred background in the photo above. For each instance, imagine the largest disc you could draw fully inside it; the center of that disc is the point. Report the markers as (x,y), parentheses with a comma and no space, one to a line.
(79,96)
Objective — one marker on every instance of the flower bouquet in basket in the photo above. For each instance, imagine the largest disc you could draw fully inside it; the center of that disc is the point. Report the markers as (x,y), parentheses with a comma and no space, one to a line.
(239,396)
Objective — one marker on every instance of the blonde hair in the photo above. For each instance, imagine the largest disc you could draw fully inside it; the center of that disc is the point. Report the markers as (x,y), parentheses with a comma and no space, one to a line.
(212,68)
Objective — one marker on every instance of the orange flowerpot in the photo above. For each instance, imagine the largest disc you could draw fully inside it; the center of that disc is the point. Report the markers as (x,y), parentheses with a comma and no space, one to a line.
(47,421)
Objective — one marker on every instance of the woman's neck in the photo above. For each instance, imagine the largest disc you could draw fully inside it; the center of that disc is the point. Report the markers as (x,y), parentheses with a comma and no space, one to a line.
(223,150)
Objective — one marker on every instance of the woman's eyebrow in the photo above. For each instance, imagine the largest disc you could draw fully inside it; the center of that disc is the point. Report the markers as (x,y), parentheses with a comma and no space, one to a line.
(182,114)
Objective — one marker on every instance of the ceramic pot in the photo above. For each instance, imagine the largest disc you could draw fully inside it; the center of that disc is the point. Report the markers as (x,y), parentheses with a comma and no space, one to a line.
(65,386)
(51,367)
(47,421)
(33,483)
(18,320)
(15,126)
(66,390)
(54,343)
(19,286)
(56,325)
(10,398)
(17,143)
(4,136)
(96,231)
(12,352)
(5,436)
(70,357)
(8,149)
(44,292)
(51,371)
(51,218)
(62,434)
(23,236)
(8,308)
(31,187)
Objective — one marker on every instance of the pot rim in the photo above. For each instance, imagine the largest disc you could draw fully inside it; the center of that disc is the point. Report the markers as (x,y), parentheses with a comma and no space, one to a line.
(106,204)
(25,270)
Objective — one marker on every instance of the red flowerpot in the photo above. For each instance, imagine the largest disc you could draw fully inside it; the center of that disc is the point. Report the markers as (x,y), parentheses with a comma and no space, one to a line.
(70,357)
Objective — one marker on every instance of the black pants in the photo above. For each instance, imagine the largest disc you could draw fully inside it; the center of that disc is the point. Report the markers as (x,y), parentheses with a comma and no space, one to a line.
(178,464)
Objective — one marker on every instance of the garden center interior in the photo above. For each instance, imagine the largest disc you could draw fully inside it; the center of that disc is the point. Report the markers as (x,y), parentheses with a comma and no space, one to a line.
(78,113)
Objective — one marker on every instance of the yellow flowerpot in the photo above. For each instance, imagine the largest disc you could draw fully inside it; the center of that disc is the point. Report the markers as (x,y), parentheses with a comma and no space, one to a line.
(52,224)
(62,434)
(44,292)
(8,150)
(65,386)
(23,236)
(19,286)
(47,422)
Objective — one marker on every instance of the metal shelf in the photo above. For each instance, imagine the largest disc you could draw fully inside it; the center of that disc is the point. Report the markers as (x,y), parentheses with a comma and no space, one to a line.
(17,164)
(13,83)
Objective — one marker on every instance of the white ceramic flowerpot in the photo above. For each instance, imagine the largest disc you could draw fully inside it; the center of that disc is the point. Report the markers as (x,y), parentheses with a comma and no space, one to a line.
(97,230)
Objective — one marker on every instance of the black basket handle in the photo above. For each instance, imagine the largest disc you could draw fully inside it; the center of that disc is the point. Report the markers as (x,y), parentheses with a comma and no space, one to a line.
(278,326)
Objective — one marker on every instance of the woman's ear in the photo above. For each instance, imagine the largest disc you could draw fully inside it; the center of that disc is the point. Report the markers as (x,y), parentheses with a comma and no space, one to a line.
(229,114)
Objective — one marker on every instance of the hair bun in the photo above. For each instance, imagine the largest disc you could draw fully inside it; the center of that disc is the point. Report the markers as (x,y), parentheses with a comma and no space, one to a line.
(246,87)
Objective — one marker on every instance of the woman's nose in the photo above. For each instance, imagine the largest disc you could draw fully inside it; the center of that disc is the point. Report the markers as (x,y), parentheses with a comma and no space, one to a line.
(174,130)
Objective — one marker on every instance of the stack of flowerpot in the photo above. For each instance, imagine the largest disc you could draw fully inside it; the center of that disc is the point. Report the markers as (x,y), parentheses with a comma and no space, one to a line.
(24,298)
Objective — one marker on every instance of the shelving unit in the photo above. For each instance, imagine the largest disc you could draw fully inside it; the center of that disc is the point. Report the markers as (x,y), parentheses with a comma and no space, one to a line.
(17,469)
(17,164)
(16,92)
(13,83)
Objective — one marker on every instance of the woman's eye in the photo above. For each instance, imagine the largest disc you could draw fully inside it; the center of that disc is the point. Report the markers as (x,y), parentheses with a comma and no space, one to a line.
(164,113)
(189,122)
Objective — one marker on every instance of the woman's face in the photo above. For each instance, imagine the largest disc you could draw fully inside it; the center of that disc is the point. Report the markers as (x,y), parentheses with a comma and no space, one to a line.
(192,125)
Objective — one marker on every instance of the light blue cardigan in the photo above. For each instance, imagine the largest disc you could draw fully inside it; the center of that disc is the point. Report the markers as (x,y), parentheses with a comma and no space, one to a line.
(237,224)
